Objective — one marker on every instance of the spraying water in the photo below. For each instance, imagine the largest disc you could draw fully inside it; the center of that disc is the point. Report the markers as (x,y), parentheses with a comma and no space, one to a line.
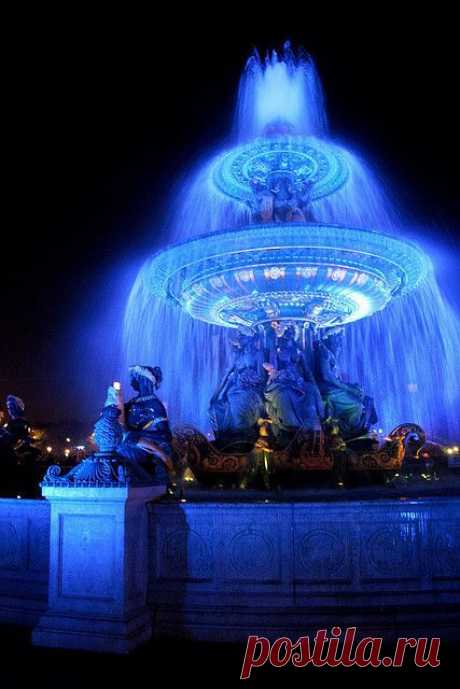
(406,356)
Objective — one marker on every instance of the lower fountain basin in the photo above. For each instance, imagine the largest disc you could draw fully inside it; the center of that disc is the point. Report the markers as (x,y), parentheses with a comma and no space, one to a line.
(321,274)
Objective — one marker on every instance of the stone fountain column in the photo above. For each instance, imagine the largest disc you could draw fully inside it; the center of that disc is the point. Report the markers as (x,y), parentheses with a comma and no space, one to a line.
(98,556)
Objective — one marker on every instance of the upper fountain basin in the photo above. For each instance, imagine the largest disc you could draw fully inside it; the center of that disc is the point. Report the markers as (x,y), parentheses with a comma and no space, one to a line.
(305,160)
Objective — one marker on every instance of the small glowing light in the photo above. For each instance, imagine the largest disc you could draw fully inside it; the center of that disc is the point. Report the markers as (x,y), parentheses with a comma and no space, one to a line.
(455,448)
(450,451)
(67,452)
(67,440)
(363,304)
(49,449)
(337,274)
(274,273)
(18,497)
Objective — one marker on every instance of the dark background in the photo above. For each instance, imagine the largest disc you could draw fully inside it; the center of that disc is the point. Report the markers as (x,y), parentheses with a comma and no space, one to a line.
(106,111)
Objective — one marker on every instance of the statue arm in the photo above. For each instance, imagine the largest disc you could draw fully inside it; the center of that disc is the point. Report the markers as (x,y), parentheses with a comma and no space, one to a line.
(304,370)
(115,398)
(320,409)
(260,362)
(223,387)
(325,367)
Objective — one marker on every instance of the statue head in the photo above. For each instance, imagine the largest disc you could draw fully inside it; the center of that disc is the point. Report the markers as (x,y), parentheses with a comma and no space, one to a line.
(279,327)
(15,406)
(333,339)
(288,338)
(145,379)
(243,338)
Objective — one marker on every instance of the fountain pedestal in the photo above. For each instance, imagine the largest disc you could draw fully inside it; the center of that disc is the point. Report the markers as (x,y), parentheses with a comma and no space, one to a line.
(98,568)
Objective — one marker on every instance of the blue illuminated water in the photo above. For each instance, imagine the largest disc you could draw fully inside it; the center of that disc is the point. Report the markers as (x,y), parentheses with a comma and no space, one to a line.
(407,357)
(286,89)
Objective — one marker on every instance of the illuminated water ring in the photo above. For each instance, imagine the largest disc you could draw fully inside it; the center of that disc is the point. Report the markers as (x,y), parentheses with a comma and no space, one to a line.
(322,274)
(303,159)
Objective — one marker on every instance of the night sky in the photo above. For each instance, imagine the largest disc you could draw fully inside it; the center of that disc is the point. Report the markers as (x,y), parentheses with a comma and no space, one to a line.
(107,112)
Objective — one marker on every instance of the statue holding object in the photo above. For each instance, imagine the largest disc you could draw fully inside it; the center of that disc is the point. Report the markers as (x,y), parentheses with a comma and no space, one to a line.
(147,436)
(237,404)
(134,439)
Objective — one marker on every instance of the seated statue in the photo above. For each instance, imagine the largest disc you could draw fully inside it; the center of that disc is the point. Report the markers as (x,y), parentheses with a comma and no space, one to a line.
(237,404)
(147,436)
(345,402)
(293,402)
(304,200)
(17,430)
(19,458)
(284,351)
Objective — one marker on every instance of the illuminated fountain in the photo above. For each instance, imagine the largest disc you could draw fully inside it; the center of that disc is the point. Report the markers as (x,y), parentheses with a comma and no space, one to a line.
(288,232)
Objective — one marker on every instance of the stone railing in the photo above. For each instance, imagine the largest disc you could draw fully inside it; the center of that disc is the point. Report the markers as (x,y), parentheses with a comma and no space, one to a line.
(99,565)
(229,570)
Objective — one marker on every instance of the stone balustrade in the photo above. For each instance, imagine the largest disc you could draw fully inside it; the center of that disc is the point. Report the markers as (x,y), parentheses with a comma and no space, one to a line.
(216,570)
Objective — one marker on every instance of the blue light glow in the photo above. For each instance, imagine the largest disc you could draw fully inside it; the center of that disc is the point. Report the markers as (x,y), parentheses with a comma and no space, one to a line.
(351,265)
(282,88)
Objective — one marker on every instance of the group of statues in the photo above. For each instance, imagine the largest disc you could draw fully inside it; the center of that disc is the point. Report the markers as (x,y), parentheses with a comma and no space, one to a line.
(275,379)
(281,200)
(270,391)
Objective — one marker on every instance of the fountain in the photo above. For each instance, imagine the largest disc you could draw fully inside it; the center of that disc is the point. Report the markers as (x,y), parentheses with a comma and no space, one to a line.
(289,278)
(289,314)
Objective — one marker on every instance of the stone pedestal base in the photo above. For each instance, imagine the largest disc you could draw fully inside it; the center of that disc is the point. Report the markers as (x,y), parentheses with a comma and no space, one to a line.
(102,636)
(98,568)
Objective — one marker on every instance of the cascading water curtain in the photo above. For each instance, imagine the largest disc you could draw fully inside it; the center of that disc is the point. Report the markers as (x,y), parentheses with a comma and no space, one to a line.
(407,356)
